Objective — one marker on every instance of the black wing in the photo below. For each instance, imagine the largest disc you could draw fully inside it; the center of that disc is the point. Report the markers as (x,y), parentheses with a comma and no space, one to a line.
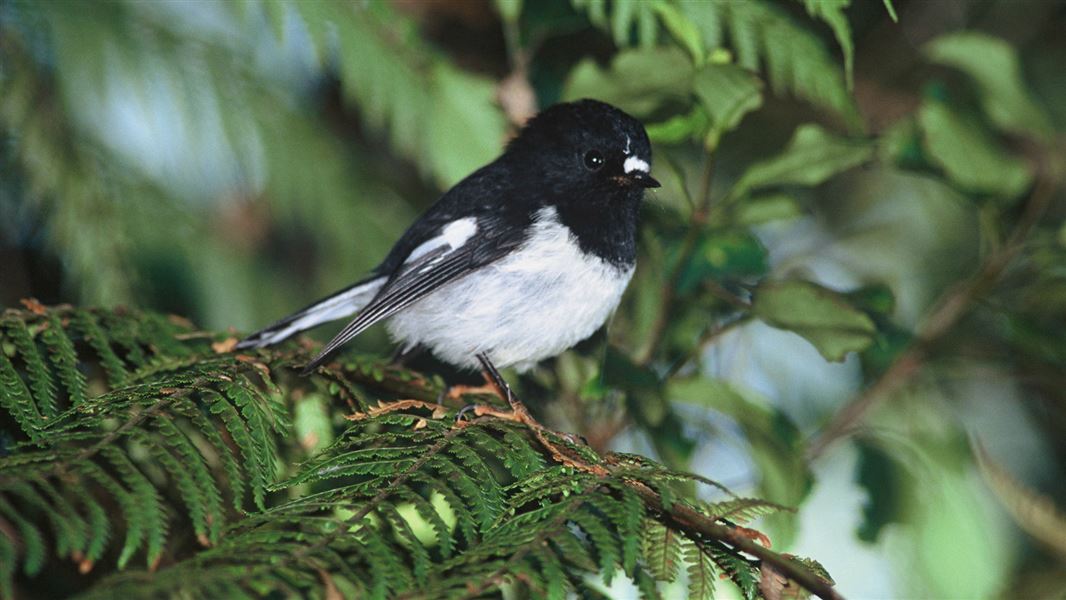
(493,239)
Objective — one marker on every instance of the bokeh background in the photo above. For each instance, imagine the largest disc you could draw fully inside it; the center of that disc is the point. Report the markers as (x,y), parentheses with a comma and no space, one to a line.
(852,290)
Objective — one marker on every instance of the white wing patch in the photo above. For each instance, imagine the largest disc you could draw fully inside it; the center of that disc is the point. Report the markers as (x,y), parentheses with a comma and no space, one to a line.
(454,235)
(635,164)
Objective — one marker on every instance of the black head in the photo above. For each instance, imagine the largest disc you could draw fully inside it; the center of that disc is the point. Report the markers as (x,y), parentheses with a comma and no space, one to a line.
(592,163)
(586,150)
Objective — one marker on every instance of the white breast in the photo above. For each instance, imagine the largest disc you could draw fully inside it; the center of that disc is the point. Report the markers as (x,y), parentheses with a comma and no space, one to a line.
(540,300)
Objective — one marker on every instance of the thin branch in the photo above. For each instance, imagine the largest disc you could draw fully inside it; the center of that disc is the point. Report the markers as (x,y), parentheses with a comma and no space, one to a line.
(948,311)
(706,339)
(687,520)
(688,246)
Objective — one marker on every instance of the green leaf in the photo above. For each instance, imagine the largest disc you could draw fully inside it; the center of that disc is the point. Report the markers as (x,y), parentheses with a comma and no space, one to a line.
(832,12)
(765,208)
(727,93)
(883,478)
(702,573)
(637,81)
(680,128)
(682,29)
(969,155)
(510,10)
(794,59)
(994,66)
(811,157)
(444,118)
(719,255)
(464,126)
(823,317)
(644,82)
(891,11)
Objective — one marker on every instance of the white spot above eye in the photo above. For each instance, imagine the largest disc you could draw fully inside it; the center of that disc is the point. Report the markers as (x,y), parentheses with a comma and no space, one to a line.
(453,235)
(627,150)
(635,164)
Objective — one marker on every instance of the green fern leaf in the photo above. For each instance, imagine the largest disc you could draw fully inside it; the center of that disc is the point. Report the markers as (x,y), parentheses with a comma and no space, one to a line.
(662,550)
(71,527)
(219,449)
(124,333)
(420,558)
(604,542)
(99,531)
(41,382)
(8,560)
(135,525)
(65,359)
(646,585)
(149,506)
(30,539)
(465,522)
(190,475)
(574,551)
(422,102)
(256,458)
(701,572)
(258,425)
(556,584)
(832,13)
(441,531)
(16,400)
(740,571)
(90,330)
(743,510)
(490,494)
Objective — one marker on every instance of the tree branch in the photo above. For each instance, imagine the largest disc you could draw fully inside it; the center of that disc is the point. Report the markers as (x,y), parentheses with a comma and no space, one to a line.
(688,246)
(952,306)
(683,518)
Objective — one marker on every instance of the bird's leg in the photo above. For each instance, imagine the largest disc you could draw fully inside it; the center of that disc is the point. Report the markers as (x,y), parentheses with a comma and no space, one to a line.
(493,377)
(402,354)
(519,413)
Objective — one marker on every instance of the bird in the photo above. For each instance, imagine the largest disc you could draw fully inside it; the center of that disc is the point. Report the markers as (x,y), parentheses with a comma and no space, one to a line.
(516,263)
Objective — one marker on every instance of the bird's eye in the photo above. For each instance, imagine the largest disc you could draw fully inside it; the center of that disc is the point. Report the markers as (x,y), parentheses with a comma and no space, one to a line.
(593,160)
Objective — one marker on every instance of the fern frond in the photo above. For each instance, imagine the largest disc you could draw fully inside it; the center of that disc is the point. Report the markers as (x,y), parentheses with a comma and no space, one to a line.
(701,572)
(662,550)
(760,34)
(407,91)
(399,504)
(41,382)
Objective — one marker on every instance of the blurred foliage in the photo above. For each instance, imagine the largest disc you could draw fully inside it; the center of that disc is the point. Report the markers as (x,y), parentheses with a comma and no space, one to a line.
(878,184)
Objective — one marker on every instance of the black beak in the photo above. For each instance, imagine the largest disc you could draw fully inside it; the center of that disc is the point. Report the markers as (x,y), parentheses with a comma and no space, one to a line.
(643,180)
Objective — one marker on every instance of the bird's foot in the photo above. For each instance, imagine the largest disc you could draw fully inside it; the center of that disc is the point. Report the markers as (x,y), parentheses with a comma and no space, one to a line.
(519,414)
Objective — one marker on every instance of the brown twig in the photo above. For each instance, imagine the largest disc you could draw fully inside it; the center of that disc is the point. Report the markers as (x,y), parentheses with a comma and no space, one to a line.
(952,306)
(686,519)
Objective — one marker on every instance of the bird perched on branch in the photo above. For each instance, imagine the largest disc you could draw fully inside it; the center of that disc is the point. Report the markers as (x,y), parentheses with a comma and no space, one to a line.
(518,262)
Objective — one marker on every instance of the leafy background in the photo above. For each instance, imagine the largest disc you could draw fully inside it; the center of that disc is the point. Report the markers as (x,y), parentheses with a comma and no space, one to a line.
(850,298)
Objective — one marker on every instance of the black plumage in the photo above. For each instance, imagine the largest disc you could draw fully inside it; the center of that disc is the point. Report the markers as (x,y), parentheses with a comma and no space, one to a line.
(585,163)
